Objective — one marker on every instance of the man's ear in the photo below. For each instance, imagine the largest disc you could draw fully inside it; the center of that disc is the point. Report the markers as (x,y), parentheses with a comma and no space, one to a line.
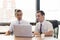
(43,15)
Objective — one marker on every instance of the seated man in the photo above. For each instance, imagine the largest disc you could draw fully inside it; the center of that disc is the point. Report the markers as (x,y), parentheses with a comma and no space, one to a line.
(18,15)
(43,27)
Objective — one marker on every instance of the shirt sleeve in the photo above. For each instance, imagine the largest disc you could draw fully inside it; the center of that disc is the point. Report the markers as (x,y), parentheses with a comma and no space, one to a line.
(36,28)
(11,27)
(50,27)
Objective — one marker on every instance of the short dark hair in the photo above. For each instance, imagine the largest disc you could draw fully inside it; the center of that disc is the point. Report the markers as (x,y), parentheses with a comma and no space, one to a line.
(42,12)
(17,10)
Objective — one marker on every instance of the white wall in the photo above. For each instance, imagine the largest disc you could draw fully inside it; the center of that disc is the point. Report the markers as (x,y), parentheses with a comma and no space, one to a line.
(51,9)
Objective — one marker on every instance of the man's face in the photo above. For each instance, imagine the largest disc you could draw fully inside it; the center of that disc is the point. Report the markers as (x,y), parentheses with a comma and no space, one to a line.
(39,17)
(18,15)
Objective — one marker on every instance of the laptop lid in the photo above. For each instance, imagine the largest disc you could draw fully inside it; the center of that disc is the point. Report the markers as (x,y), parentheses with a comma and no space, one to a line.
(23,30)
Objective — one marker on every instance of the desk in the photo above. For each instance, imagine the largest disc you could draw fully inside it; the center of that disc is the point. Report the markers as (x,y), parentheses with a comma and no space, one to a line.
(4,37)
(22,38)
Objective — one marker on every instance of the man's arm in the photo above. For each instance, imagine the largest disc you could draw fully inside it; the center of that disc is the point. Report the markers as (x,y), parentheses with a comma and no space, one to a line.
(50,30)
(36,33)
(10,29)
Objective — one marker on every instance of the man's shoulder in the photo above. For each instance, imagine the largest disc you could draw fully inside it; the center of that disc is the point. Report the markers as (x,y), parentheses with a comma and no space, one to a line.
(13,22)
(47,22)
(25,22)
(38,23)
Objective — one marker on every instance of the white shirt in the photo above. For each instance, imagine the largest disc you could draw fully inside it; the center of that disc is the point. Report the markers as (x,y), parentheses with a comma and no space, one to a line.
(46,26)
(16,22)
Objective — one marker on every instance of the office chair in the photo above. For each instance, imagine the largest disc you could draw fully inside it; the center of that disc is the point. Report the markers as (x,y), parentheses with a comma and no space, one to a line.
(55,27)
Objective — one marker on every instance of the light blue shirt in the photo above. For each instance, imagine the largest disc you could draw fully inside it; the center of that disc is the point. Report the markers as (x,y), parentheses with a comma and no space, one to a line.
(16,22)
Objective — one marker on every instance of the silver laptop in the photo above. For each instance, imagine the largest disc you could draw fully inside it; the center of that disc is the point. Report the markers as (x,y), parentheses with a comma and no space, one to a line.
(23,30)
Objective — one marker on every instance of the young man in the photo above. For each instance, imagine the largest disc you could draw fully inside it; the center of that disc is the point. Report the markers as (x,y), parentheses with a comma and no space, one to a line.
(18,15)
(43,27)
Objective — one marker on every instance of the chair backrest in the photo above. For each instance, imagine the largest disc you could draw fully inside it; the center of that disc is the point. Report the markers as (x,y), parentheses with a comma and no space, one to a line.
(54,23)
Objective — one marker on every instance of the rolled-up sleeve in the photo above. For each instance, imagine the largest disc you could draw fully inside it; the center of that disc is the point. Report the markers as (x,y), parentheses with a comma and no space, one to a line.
(50,27)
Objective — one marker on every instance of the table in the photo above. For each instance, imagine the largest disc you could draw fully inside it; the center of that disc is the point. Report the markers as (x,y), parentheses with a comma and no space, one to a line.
(10,37)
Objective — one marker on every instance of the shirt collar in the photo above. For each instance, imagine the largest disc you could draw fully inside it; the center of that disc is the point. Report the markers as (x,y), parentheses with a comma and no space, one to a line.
(42,22)
(19,21)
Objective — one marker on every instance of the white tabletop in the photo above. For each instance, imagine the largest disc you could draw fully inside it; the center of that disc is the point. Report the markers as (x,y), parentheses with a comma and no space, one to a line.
(4,37)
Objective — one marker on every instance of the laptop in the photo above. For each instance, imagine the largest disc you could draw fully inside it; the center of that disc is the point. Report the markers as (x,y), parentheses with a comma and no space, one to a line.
(23,30)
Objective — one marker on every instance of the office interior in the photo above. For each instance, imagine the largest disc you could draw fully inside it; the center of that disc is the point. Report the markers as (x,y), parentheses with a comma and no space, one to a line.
(29,8)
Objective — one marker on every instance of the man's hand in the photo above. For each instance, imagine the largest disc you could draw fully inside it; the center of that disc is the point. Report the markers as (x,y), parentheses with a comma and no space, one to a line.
(36,34)
(8,33)
(50,33)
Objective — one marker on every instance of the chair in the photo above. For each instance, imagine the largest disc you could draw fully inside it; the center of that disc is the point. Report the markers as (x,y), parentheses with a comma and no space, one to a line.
(55,27)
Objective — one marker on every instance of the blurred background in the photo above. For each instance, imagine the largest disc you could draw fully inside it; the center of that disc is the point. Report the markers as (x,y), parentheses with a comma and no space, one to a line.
(29,8)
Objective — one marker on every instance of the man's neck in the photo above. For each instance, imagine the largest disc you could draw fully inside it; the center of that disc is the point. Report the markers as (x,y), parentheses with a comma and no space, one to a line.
(41,21)
(19,19)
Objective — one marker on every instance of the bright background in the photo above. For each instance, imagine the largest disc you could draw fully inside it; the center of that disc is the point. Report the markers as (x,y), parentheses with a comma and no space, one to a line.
(7,10)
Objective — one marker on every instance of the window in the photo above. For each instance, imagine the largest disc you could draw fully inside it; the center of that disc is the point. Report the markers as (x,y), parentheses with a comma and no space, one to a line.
(7,8)
(29,9)
(51,8)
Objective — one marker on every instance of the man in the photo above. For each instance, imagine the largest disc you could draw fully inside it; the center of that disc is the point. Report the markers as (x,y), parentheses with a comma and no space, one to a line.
(43,27)
(18,15)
